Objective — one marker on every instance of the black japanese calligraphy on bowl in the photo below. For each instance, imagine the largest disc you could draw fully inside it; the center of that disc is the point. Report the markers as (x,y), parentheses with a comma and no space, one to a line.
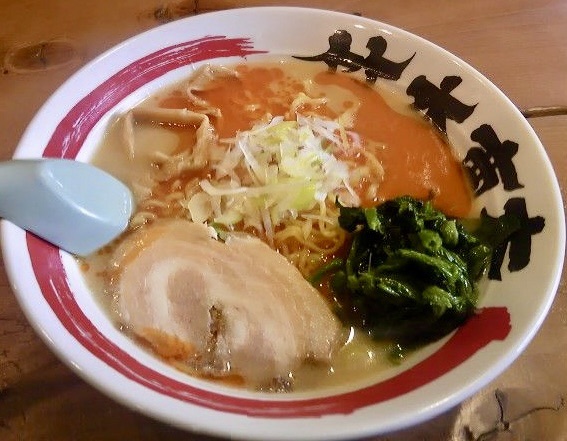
(489,161)
(508,166)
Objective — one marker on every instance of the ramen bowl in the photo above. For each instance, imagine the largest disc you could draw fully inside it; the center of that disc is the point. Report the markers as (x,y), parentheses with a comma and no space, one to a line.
(510,172)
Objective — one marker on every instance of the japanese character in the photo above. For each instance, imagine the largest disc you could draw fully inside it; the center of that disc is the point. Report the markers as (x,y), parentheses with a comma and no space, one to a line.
(519,244)
(491,162)
(378,66)
(438,101)
(339,53)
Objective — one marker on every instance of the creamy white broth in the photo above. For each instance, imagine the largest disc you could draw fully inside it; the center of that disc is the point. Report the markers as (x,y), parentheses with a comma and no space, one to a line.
(359,358)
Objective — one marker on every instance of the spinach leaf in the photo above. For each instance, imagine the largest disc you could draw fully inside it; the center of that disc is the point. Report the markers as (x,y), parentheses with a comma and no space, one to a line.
(411,272)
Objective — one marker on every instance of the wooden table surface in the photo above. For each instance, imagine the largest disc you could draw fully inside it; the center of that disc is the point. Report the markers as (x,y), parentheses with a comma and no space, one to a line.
(518,44)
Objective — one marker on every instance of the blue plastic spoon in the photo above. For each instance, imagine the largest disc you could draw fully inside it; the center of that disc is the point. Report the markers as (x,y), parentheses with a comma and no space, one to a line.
(74,205)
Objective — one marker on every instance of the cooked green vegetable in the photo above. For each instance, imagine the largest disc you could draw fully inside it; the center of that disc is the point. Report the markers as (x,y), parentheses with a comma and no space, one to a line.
(410,275)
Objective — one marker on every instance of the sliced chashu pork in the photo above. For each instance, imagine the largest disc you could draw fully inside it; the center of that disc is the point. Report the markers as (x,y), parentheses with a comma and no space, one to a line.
(234,307)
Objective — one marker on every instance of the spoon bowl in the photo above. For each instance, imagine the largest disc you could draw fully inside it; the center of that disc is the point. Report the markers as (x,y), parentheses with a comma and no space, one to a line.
(71,204)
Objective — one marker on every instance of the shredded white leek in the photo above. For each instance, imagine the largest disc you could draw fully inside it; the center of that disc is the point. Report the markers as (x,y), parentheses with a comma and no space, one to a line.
(290,168)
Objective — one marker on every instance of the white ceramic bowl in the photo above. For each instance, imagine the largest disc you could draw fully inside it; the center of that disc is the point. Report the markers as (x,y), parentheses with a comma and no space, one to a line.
(51,290)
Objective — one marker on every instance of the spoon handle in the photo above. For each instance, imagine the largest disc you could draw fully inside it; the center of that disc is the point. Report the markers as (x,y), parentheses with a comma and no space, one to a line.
(19,180)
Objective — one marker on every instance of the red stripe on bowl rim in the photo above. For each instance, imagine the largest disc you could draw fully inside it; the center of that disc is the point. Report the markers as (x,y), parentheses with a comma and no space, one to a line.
(487,325)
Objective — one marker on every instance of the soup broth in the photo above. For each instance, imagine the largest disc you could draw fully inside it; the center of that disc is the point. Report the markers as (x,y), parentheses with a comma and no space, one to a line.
(389,149)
